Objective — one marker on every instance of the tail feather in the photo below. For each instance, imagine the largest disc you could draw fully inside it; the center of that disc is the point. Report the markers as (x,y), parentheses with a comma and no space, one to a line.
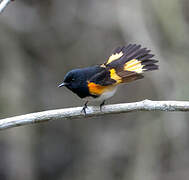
(138,60)
(140,66)
(130,62)
(145,57)
(148,62)
(134,62)
(150,67)
(133,49)
(131,78)
(139,53)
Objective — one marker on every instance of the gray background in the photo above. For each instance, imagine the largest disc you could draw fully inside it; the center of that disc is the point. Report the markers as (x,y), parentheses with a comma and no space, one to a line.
(41,40)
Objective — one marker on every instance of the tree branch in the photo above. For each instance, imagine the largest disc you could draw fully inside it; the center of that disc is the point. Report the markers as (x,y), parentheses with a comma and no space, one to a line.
(71,113)
(3,4)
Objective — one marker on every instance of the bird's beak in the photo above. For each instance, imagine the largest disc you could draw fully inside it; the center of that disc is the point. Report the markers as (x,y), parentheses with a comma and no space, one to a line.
(62,84)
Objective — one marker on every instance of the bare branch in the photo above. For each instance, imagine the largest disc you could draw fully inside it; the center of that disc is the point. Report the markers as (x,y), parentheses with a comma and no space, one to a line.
(71,113)
(3,4)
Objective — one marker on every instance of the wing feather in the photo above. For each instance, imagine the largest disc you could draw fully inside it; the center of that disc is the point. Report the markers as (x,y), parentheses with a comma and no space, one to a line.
(126,64)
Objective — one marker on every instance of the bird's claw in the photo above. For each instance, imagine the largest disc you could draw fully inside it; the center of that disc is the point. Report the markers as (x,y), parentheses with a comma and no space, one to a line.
(84,108)
(101,105)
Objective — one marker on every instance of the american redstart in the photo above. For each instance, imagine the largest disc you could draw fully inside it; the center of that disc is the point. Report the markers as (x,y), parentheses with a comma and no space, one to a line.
(126,64)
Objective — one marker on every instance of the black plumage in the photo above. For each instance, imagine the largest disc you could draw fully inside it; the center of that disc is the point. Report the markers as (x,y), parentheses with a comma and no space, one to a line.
(126,64)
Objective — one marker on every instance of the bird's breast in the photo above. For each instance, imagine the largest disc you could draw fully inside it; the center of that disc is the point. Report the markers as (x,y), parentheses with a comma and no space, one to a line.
(107,94)
(102,92)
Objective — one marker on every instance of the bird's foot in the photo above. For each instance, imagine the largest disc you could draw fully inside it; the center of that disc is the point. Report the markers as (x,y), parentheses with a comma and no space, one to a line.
(84,108)
(102,104)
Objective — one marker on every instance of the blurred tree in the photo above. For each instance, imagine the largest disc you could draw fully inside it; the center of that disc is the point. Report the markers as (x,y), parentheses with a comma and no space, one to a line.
(42,40)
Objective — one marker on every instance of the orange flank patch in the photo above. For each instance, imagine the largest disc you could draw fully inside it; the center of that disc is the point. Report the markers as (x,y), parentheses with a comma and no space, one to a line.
(97,89)
(114,57)
(114,76)
(134,65)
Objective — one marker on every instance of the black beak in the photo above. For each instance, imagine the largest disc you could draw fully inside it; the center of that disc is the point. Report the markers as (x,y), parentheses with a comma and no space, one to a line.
(62,84)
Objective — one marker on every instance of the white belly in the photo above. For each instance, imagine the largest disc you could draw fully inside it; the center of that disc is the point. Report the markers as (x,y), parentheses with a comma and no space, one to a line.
(104,96)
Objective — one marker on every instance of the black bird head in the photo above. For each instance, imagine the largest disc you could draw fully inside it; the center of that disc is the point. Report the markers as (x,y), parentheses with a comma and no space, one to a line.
(70,80)
(76,81)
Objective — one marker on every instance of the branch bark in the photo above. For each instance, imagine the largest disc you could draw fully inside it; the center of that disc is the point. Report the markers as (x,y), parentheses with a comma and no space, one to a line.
(3,4)
(73,113)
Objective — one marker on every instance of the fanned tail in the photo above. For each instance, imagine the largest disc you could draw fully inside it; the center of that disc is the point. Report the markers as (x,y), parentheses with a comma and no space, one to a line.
(131,62)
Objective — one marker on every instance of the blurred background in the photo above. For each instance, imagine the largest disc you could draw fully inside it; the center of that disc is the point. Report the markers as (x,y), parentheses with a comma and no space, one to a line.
(41,40)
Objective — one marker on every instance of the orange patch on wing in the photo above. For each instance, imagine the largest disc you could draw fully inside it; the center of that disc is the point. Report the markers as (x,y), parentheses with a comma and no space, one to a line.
(97,89)
(114,76)
(114,57)
(134,65)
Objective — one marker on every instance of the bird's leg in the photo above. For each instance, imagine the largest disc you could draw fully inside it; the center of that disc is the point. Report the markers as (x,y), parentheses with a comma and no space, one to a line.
(102,104)
(84,107)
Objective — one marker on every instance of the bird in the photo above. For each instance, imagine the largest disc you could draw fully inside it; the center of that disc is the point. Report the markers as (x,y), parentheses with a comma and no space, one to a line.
(100,82)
